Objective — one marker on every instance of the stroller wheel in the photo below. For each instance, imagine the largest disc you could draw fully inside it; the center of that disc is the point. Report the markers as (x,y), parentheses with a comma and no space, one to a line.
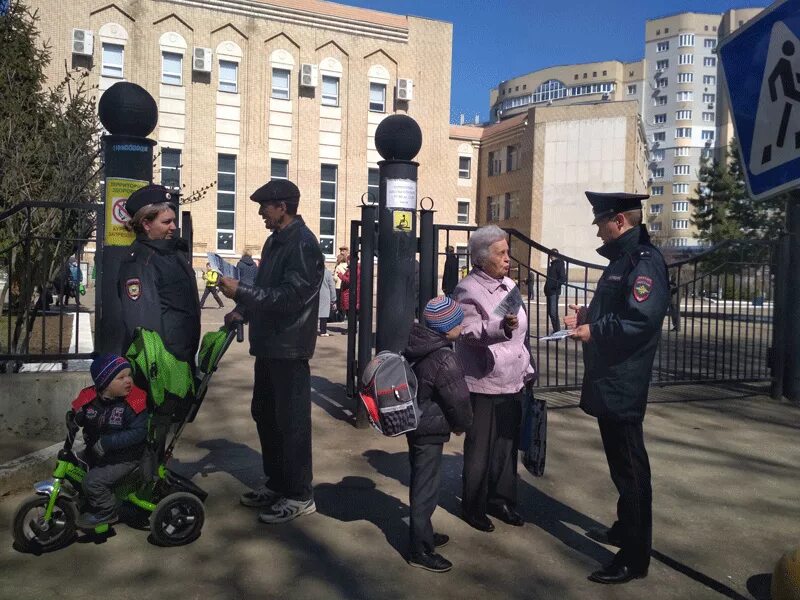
(177,519)
(32,534)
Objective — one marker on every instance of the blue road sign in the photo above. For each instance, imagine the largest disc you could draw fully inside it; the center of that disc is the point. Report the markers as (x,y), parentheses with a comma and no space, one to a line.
(761,67)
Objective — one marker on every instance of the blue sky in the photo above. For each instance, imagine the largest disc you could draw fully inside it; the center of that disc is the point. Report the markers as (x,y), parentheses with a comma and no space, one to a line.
(495,40)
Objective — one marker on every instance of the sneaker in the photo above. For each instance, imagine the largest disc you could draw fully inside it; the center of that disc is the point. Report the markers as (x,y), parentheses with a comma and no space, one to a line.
(430,561)
(260,497)
(285,510)
(440,540)
(92,520)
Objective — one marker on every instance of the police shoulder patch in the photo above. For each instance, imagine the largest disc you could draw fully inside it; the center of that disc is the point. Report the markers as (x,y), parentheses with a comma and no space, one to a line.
(642,288)
(133,287)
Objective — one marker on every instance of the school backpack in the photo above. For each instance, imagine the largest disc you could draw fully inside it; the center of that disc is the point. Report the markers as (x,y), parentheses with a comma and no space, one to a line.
(389,393)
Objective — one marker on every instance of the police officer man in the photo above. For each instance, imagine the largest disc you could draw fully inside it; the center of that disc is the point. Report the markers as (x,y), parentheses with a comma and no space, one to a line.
(620,331)
(282,307)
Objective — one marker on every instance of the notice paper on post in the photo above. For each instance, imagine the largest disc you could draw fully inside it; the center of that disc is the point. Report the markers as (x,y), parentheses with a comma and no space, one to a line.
(558,335)
(220,266)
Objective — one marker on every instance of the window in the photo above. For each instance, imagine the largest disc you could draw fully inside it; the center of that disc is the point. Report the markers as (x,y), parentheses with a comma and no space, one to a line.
(464,167)
(511,207)
(706,153)
(685,40)
(683,132)
(662,64)
(682,151)
(659,100)
(708,117)
(377,97)
(113,59)
(657,190)
(463,212)
(550,90)
(707,134)
(709,79)
(660,136)
(683,115)
(655,226)
(679,242)
(662,46)
(279,169)
(495,164)
(492,209)
(280,83)
(631,90)
(681,206)
(171,68)
(658,155)
(228,76)
(655,209)
(686,59)
(680,188)
(662,83)
(330,90)
(512,158)
(658,173)
(594,88)
(373,185)
(709,43)
(226,200)
(680,223)
(171,168)
(710,61)
(684,96)
(681,170)
(709,98)
(660,119)
(685,77)
(327,208)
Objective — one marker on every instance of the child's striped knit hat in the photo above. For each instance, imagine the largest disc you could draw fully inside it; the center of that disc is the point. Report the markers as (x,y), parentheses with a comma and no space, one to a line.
(105,368)
(442,314)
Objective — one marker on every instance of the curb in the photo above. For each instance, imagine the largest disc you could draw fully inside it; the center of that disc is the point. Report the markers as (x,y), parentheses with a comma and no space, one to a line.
(24,471)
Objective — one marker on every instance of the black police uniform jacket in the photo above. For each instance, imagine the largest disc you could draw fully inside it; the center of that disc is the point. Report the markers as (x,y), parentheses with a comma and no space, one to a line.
(625,317)
(158,291)
(282,305)
(442,393)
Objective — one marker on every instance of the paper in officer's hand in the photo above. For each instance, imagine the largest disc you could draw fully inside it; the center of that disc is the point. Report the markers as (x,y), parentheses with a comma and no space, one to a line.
(220,266)
(510,304)
(558,335)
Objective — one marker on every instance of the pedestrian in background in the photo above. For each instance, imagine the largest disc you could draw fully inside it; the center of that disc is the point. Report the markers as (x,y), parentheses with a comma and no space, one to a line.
(211,278)
(341,266)
(620,331)
(556,277)
(327,304)
(351,287)
(450,275)
(247,268)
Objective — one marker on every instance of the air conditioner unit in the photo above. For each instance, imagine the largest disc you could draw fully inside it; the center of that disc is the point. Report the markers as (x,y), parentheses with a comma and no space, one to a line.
(201,60)
(82,42)
(405,89)
(308,75)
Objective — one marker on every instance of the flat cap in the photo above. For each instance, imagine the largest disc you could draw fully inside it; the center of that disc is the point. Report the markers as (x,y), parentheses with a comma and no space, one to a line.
(608,204)
(149,194)
(277,190)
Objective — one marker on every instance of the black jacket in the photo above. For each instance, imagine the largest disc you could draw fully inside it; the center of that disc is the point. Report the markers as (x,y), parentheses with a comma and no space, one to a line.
(450,275)
(119,429)
(283,303)
(556,277)
(625,318)
(442,393)
(247,270)
(158,291)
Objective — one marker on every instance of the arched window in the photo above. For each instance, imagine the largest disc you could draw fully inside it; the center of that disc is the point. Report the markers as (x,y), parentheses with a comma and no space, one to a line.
(550,90)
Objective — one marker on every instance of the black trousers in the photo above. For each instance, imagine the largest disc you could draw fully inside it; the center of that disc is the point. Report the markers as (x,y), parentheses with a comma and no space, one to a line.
(98,483)
(623,442)
(552,312)
(491,446)
(281,409)
(214,292)
(323,325)
(423,495)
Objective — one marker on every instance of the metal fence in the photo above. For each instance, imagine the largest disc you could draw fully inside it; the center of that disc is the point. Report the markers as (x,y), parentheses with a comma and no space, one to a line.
(37,322)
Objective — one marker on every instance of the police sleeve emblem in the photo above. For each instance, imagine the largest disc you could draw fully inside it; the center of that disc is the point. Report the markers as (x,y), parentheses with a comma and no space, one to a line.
(133,287)
(642,288)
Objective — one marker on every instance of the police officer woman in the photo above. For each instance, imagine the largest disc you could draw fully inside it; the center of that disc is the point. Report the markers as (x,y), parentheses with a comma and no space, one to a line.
(157,286)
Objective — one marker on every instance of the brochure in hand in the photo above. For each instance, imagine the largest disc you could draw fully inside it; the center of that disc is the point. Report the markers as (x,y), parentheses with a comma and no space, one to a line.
(510,304)
(219,265)
(558,335)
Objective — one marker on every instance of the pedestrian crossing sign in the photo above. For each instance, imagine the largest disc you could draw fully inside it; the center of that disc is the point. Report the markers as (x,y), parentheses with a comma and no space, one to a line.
(761,69)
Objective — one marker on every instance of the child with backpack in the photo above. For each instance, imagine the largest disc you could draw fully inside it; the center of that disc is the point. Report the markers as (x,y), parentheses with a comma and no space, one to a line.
(443,400)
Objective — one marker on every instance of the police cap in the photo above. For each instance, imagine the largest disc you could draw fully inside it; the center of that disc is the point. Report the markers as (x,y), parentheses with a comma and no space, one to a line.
(150,194)
(276,191)
(609,204)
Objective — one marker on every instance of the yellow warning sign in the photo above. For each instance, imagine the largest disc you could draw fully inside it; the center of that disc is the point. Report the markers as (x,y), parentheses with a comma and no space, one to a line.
(402,220)
(118,190)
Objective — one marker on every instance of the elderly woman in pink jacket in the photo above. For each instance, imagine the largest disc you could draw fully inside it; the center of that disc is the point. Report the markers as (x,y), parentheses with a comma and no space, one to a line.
(497,365)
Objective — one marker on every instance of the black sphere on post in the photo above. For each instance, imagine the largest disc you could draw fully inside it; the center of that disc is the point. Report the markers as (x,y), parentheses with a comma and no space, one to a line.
(128,109)
(398,137)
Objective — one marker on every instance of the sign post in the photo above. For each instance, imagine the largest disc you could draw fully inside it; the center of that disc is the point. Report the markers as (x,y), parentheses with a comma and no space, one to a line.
(761,69)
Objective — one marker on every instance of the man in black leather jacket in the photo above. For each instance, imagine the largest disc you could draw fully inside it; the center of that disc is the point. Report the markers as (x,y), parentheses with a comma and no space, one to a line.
(281,307)
(620,332)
